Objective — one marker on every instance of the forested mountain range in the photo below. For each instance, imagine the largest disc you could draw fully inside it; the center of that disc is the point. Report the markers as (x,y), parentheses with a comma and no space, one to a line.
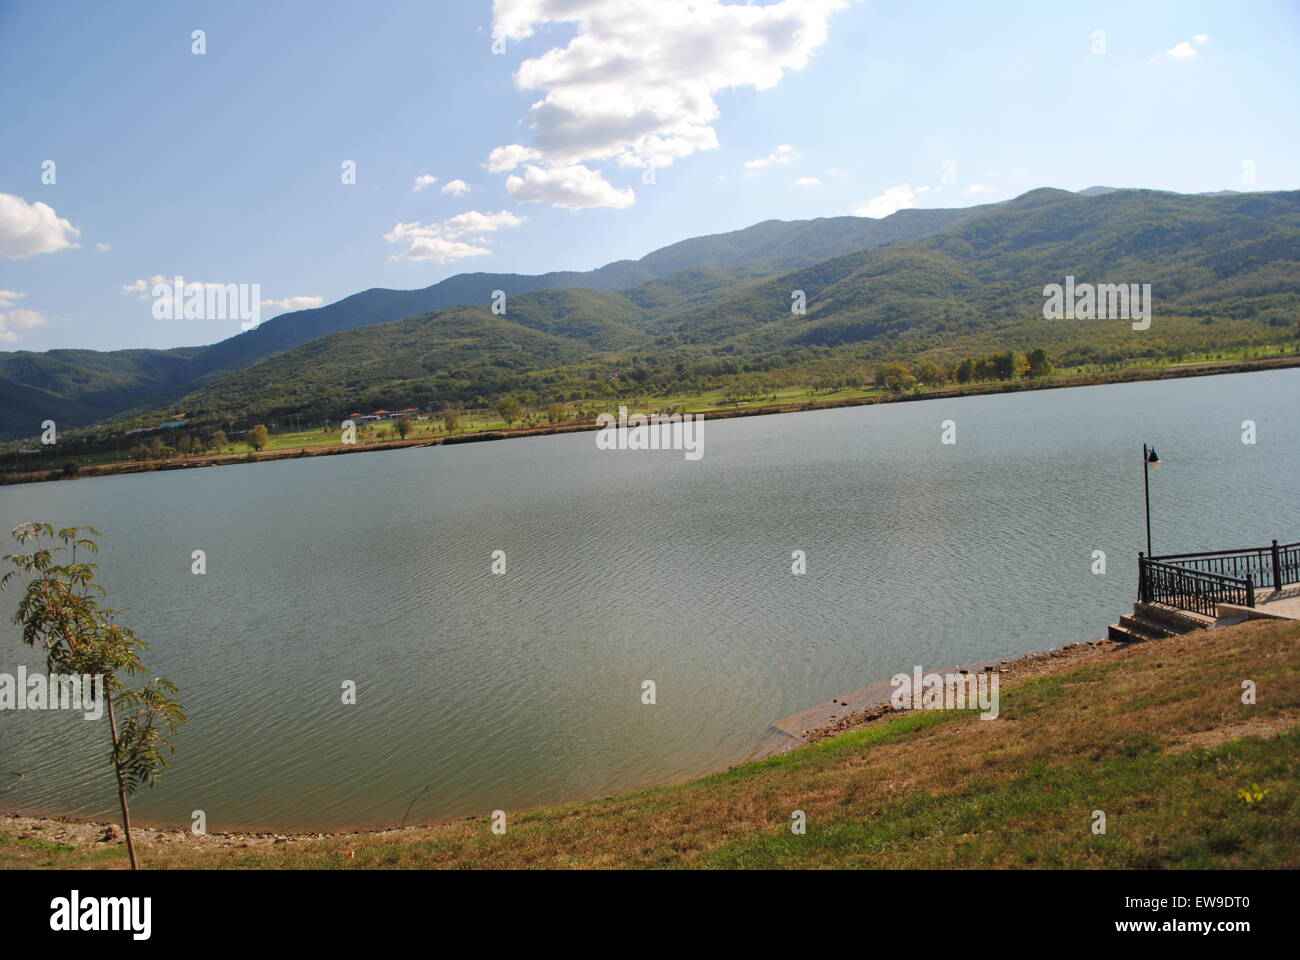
(1224,269)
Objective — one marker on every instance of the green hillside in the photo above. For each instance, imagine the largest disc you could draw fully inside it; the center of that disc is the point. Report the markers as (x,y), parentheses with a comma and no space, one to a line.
(85,386)
(1224,271)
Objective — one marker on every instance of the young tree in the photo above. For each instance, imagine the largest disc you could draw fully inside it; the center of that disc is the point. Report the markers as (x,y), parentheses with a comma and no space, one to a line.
(60,611)
(508,409)
(257,437)
(927,372)
(898,376)
(403,426)
(1040,364)
(555,412)
(451,419)
(219,440)
(1004,364)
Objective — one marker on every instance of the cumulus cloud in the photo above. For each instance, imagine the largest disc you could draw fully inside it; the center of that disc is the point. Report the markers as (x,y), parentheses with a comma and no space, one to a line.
(8,297)
(1184,50)
(977,188)
(781,155)
(422,181)
(455,188)
(502,159)
(27,229)
(807,182)
(635,84)
(441,243)
(16,320)
(293,303)
(573,187)
(140,287)
(896,198)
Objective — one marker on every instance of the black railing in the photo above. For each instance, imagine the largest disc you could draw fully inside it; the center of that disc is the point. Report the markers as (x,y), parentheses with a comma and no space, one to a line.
(1190,589)
(1275,564)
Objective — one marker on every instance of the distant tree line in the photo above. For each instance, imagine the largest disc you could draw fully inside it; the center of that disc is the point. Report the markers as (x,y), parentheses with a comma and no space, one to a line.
(898,376)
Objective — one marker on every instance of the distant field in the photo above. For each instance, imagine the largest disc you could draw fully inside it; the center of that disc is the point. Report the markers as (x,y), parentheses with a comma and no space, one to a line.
(716,402)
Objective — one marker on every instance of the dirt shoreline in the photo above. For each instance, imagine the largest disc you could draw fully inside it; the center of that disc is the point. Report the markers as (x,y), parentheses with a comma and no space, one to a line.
(1137,375)
(77,832)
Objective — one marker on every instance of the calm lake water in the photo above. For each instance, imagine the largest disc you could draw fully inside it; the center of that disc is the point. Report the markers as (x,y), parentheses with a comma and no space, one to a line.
(622,566)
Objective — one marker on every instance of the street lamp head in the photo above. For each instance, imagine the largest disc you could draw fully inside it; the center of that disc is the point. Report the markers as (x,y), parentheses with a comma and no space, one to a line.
(1152,459)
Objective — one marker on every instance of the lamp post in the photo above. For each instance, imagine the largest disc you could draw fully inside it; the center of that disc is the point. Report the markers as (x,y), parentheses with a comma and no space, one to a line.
(1149,460)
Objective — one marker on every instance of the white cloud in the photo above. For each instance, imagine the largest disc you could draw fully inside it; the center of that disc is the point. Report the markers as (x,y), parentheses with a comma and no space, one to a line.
(27,229)
(455,188)
(636,81)
(475,222)
(422,181)
(807,182)
(573,187)
(1183,50)
(781,155)
(502,159)
(16,320)
(102,247)
(293,303)
(977,188)
(440,242)
(7,297)
(896,198)
(439,250)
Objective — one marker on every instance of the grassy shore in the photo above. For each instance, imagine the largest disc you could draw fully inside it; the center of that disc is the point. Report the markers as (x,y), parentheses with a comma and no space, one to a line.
(484,426)
(1154,735)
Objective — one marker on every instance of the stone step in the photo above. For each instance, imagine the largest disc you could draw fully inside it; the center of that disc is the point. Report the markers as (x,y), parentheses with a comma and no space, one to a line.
(1147,627)
(1121,634)
(1177,621)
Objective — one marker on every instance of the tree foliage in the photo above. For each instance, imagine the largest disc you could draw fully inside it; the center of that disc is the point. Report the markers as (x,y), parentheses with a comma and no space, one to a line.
(60,613)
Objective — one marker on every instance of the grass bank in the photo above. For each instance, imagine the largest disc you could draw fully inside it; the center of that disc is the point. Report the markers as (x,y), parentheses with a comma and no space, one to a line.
(1154,735)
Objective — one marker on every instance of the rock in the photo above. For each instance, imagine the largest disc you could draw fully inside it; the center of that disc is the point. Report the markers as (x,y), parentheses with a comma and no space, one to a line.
(110,833)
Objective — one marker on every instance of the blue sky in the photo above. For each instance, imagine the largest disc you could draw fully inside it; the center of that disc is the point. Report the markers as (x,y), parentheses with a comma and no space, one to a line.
(225,167)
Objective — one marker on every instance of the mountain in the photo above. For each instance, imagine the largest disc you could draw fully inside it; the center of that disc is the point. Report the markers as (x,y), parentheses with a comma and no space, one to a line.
(78,387)
(1223,270)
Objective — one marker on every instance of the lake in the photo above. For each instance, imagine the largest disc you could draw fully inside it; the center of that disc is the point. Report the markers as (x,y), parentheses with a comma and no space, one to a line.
(505,691)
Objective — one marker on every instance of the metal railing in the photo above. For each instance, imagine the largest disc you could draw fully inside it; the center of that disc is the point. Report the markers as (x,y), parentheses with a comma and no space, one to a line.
(1275,564)
(1190,589)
